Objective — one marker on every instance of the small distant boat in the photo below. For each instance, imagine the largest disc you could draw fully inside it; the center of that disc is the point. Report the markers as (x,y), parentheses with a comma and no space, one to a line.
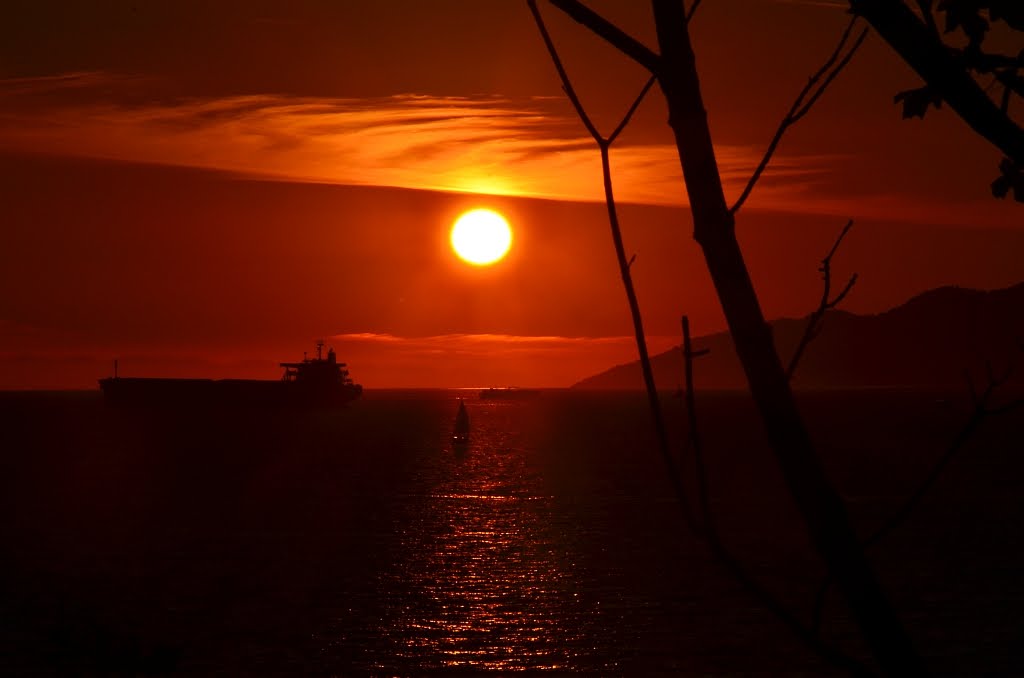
(509,393)
(460,433)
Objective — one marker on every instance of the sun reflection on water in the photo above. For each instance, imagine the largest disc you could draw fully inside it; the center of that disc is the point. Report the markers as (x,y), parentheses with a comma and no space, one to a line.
(483,581)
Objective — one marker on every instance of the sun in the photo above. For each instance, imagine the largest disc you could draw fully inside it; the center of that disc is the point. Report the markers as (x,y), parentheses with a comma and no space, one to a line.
(481,237)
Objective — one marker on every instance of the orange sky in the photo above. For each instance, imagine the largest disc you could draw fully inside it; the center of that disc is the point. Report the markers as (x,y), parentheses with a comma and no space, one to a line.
(206,190)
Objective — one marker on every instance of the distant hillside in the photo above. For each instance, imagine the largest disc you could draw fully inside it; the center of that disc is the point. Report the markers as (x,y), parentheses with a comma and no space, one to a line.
(927,342)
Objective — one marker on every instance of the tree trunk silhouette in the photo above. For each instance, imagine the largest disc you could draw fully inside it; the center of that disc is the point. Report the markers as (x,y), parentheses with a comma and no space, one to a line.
(821,507)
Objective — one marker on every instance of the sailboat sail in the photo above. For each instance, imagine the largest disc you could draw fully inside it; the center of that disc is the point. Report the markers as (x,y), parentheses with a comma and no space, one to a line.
(460,433)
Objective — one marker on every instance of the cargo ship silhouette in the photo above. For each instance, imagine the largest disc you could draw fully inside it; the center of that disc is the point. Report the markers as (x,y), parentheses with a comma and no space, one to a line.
(313,382)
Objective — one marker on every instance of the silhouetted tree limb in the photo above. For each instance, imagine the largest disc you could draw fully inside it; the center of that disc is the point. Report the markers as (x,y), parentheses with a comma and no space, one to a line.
(604,145)
(947,78)
(632,109)
(714,229)
(618,38)
(570,91)
(693,430)
(693,10)
(981,411)
(824,304)
(807,97)
(721,553)
(724,557)
(820,506)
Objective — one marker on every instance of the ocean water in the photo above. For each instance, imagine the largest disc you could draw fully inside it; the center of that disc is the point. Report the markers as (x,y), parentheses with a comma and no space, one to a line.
(359,542)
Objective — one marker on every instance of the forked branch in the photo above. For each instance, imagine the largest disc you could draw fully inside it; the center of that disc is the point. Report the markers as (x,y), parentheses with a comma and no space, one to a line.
(982,410)
(570,91)
(709,531)
(825,303)
(805,100)
(604,144)
(719,551)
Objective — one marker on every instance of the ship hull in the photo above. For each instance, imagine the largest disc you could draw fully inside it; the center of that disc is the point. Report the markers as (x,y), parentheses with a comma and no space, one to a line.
(132,391)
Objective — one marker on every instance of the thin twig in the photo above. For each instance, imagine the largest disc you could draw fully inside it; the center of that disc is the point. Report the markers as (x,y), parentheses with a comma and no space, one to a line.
(562,75)
(693,10)
(632,109)
(653,398)
(807,97)
(693,434)
(980,412)
(825,303)
(830,77)
(604,145)
(675,476)
(718,549)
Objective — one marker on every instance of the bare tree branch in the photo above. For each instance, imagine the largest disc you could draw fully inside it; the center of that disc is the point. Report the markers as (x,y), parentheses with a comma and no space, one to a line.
(693,10)
(570,91)
(831,76)
(632,109)
(693,434)
(614,35)
(562,75)
(604,145)
(980,412)
(807,97)
(825,304)
(821,507)
(718,549)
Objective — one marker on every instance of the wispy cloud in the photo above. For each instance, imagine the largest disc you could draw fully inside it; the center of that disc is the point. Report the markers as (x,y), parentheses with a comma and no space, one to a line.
(490,145)
(47,84)
(488,344)
(378,360)
(489,358)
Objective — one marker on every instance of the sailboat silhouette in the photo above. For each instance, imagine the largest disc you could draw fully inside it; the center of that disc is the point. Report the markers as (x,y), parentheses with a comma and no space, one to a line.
(460,433)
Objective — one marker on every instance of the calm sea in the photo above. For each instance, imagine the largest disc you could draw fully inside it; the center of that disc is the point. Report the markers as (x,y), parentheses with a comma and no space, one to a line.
(358,542)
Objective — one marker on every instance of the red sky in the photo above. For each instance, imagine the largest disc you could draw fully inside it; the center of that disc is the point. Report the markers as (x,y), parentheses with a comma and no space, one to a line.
(207,188)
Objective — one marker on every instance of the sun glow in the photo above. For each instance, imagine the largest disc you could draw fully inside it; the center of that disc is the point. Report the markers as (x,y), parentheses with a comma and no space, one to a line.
(481,237)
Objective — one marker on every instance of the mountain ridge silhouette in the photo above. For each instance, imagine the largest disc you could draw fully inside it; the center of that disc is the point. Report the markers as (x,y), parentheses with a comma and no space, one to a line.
(931,341)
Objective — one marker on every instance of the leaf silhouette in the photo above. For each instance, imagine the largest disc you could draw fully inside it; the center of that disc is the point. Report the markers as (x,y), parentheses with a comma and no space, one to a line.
(1011,179)
(966,15)
(1010,11)
(916,101)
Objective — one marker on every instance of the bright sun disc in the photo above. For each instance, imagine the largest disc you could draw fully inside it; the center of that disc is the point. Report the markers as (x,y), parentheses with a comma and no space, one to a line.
(481,237)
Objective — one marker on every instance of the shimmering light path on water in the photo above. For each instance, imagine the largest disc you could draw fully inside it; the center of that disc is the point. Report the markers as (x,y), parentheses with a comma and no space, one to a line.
(358,542)
(485,580)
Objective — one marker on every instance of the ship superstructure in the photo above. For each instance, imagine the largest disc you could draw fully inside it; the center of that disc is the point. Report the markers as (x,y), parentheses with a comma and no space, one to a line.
(313,382)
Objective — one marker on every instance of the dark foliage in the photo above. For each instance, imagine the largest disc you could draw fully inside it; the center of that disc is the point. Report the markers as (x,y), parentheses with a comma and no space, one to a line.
(916,101)
(949,45)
